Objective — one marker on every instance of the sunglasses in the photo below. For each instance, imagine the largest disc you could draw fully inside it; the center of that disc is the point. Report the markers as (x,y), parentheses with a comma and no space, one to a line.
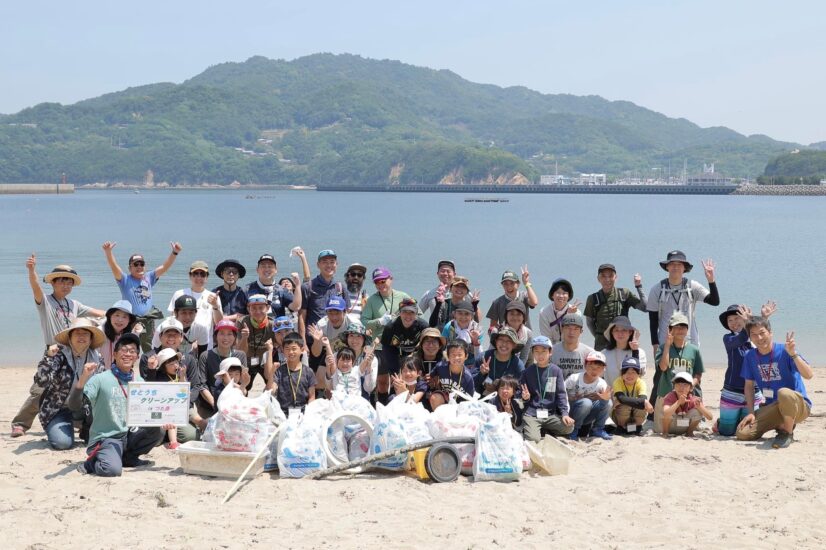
(355,274)
(230,272)
(139,264)
(199,274)
(279,324)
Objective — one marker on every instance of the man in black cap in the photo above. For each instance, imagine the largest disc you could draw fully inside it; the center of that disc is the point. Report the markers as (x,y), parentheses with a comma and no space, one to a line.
(609,302)
(445,271)
(280,298)
(233,298)
(678,293)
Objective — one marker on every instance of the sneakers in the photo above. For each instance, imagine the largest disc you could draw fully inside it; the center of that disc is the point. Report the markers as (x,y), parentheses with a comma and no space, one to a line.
(82,468)
(18,431)
(602,434)
(573,436)
(782,440)
(137,463)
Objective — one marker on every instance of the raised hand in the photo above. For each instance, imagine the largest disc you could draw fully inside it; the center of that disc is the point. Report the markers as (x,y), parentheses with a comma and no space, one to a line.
(298,251)
(526,276)
(176,247)
(245,332)
(296,281)
(791,347)
(152,362)
(245,378)
(768,309)
(526,393)
(573,307)
(398,383)
(634,344)
(744,312)
(138,329)
(315,332)
(440,292)
(31,262)
(88,370)
(708,267)
(484,368)
(212,299)
(474,296)
(637,279)
(474,336)
(669,340)
(52,350)
(109,245)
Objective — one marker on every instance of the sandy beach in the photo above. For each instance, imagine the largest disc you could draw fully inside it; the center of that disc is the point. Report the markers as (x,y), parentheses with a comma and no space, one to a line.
(629,492)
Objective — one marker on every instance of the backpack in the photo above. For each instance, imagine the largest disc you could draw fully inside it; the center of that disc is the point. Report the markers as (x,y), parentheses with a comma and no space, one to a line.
(624,294)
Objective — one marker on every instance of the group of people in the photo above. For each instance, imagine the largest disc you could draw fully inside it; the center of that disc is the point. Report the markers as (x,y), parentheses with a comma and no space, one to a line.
(308,337)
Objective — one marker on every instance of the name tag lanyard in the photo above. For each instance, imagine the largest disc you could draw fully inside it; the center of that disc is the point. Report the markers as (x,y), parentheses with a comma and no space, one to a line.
(768,370)
(294,388)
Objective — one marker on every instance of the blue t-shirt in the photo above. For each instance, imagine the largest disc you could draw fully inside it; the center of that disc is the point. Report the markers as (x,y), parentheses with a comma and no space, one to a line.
(450,381)
(138,292)
(314,297)
(772,372)
(279,297)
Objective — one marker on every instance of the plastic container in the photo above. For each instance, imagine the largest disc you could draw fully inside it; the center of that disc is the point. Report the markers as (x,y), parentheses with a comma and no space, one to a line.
(418,457)
(199,458)
(550,456)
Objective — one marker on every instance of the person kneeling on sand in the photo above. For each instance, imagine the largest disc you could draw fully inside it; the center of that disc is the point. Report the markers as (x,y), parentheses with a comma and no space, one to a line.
(680,411)
(113,446)
(631,404)
(777,370)
(544,395)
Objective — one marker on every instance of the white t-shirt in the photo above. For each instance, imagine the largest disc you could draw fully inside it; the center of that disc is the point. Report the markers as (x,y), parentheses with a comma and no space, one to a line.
(667,300)
(570,361)
(577,388)
(203,317)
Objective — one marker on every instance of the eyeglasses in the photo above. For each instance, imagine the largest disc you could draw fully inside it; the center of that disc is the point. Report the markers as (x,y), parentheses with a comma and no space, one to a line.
(138,264)
(199,274)
(230,272)
(128,350)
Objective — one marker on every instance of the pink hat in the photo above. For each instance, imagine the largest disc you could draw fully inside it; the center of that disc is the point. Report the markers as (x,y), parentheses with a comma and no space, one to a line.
(226,323)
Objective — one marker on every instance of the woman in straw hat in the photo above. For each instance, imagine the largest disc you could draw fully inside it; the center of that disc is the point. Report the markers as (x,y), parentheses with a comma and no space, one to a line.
(58,371)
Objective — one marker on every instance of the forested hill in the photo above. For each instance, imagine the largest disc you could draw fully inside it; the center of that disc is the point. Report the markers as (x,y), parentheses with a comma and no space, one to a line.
(346,119)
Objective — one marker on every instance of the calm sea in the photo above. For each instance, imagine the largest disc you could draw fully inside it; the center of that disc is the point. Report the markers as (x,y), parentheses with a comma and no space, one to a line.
(765,247)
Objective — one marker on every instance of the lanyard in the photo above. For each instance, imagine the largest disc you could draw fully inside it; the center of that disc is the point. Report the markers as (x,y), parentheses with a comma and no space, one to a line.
(65,311)
(121,385)
(294,388)
(542,387)
(384,303)
(629,393)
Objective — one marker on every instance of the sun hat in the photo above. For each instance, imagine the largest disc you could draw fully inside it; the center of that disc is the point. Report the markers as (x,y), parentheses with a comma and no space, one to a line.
(676,256)
(603,267)
(62,270)
(185,302)
(459,280)
(630,363)
(381,273)
(565,284)
(266,258)
(242,271)
(98,337)
(509,276)
(595,357)
(408,304)
(199,265)
(620,321)
(258,299)
(678,319)
(354,327)
(282,323)
(166,354)
(335,302)
(733,309)
(682,377)
(543,341)
(327,253)
(431,332)
(464,305)
(227,364)
(572,319)
(170,323)
(121,305)
(507,332)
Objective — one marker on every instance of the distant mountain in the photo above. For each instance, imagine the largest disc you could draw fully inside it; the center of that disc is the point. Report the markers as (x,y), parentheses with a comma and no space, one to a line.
(797,167)
(345,119)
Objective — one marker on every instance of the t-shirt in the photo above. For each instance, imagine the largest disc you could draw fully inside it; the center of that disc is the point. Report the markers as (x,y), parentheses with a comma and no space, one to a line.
(357,301)
(347,382)
(496,312)
(683,298)
(279,297)
(570,361)
(232,301)
(375,308)
(203,317)
(514,366)
(687,360)
(314,297)
(635,390)
(450,381)
(617,302)
(193,333)
(107,395)
(690,402)
(256,342)
(294,387)
(774,371)
(577,387)
(56,316)
(138,292)
(209,363)
(398,341)
(547,389)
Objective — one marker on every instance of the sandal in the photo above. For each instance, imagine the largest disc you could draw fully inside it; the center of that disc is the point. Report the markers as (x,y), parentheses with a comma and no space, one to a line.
(17,431)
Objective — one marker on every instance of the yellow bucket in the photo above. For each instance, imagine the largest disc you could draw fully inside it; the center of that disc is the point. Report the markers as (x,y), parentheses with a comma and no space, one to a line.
(418,463)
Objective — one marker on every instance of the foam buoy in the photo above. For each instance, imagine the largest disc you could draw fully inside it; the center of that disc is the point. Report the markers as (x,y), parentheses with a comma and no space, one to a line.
(442,463)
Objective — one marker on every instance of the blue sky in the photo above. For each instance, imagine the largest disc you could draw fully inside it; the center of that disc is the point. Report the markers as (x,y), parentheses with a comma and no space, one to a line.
(756,67)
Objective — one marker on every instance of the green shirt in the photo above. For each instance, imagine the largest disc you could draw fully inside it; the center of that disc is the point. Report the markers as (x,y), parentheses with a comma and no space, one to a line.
(375,308)
(686,360)
(108,399)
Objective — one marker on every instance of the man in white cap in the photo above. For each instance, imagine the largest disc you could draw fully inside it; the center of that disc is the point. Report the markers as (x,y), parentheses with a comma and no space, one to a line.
(56,312)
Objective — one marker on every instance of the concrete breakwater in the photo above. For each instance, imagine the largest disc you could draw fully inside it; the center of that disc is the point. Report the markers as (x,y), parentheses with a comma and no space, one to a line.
(781,190)
(36,188)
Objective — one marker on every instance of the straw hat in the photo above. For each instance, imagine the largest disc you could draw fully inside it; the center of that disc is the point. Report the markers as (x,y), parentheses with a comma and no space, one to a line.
(59,271)
(98,337)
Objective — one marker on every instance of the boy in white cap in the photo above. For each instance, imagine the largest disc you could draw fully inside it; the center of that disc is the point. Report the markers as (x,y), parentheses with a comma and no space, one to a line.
(590,398)
(680,412)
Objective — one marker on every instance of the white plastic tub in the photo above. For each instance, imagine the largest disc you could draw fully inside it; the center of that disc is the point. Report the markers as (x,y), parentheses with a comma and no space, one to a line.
(204,459)
(550,456)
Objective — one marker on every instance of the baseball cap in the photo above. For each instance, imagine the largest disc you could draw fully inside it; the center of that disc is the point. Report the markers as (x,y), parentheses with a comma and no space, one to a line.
(448,263)
(408,304)
(258,299)
(266,258)
(543,341)
(603,267)
(464,305)
(459,280)
(336,302)
(595,356)
(630,363)
(327,253)
(225,324)
(678,319)
(572,319)
(682,377)
(170,323)
(381,273)
(509,276)
(199,265)
(185,302)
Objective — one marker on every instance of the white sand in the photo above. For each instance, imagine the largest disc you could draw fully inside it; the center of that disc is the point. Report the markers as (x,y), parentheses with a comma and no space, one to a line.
(629,492)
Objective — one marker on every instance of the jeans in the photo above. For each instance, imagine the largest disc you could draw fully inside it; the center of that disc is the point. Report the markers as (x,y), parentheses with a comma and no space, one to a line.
(60,431)
(107,457)
(584,412)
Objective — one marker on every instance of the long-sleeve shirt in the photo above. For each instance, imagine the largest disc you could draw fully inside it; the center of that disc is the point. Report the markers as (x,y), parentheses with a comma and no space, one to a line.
(547,388)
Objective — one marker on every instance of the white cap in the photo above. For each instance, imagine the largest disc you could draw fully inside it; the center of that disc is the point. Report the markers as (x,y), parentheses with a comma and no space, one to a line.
(170,323)
(166,354)
(596,356)
(227,363)
(682,377)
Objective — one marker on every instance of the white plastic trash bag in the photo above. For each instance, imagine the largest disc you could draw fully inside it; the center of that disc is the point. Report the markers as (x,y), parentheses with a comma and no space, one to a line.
(498,452)
(242,423)
(399,424)
(447,421)
(299,447)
